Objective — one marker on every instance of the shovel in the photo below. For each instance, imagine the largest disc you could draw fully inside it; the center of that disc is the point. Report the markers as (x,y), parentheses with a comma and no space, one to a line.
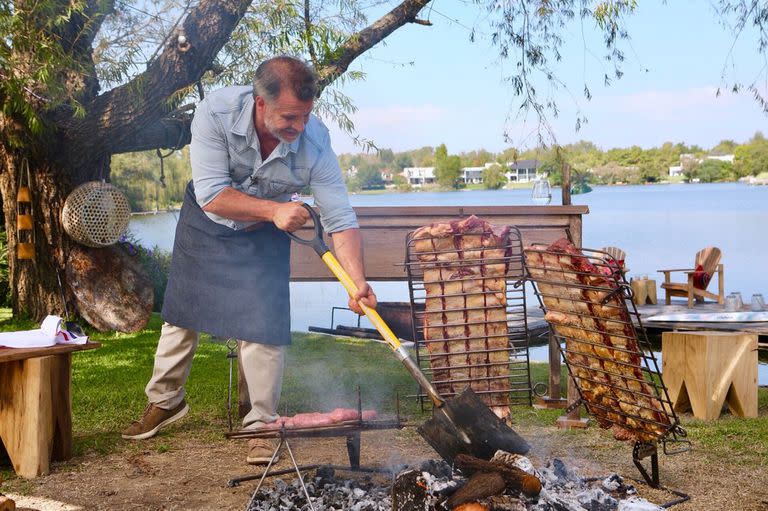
(461,425)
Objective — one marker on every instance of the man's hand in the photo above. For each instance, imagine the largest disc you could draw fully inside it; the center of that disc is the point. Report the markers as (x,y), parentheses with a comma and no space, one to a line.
(364,294)
(290,216)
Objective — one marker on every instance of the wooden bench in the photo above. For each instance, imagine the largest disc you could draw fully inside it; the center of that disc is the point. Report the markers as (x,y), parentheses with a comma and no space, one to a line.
(705,370)
(36,406)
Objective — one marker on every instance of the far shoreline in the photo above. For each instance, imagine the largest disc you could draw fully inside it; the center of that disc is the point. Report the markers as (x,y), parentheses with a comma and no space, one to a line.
(473,188)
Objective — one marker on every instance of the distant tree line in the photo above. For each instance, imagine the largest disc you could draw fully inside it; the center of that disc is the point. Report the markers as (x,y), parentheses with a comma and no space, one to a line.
(631,165)
(138,174)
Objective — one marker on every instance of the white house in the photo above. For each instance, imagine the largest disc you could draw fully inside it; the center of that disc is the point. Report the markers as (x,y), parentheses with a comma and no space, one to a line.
(522,171)
(473,175)
(687,159)
(418,176)
(722,157)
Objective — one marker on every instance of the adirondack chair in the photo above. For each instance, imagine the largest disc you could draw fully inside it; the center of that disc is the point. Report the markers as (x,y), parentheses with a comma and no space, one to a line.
(618,255)
(706,266)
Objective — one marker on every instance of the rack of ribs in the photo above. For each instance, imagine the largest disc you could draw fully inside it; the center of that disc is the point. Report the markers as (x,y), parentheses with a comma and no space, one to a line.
(583,297)
(460,270)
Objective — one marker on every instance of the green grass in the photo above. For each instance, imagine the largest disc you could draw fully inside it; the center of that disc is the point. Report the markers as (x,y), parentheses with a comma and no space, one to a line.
(322,372)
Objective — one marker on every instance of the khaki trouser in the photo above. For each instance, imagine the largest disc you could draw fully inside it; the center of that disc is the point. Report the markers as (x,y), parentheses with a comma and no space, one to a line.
(262,366)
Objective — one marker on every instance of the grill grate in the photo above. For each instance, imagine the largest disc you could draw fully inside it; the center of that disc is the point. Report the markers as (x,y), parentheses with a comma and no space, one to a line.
(468,317)
(589,306)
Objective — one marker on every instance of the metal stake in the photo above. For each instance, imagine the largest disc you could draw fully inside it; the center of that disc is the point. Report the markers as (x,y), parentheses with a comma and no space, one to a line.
(231,356)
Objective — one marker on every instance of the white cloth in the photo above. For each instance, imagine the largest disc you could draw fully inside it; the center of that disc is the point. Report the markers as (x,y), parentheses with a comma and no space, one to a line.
(50,333)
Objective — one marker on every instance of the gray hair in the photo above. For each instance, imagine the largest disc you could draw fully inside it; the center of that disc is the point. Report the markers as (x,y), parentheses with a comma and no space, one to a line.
(277,73)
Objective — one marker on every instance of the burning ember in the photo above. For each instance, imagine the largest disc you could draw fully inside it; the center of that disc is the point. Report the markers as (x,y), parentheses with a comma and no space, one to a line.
(508,482)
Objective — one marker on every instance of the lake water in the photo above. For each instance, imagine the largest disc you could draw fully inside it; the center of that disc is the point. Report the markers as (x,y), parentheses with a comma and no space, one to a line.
(658,226)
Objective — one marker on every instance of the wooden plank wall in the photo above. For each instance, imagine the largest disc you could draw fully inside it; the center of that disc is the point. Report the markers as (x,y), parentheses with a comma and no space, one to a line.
(384,231)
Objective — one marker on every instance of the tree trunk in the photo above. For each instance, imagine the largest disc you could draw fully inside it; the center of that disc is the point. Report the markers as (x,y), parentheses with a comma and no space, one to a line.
(34,284)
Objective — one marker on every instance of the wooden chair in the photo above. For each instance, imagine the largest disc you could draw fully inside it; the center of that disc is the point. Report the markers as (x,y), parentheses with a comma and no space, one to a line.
(618,255)
(706,266)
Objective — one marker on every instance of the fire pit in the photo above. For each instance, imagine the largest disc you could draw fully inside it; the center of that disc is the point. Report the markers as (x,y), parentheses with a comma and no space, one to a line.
(351,429)
(435,486)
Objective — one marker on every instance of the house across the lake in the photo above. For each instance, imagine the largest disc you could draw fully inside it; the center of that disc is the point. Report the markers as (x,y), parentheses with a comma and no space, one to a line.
(522,171)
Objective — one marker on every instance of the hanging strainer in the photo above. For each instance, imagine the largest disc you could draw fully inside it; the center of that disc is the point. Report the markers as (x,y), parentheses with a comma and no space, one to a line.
(96,214)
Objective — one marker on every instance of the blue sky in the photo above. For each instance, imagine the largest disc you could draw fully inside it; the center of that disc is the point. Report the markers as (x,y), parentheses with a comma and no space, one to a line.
(453,93)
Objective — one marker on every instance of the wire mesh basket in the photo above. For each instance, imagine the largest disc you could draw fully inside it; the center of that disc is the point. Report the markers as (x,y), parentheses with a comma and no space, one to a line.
(96,214)
(585,299)
(468,316)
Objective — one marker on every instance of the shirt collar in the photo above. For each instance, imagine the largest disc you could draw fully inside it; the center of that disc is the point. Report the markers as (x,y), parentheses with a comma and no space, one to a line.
(244,127)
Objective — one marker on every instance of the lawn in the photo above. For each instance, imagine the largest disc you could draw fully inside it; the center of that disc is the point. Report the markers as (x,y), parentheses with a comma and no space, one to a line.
(322,372)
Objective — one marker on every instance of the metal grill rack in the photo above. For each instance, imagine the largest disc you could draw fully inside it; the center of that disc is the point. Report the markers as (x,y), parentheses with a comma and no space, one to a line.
(468,317)
(589,306)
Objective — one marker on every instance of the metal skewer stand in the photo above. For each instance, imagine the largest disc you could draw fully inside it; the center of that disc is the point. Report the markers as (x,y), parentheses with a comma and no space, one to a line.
(349,429)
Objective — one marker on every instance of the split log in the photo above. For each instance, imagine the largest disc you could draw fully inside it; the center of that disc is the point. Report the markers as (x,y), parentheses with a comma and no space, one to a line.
(514,478)
(111,289)
(479,486)
(6,504)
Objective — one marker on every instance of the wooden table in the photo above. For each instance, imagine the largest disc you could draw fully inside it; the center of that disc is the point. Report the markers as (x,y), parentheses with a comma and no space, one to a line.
(36,405)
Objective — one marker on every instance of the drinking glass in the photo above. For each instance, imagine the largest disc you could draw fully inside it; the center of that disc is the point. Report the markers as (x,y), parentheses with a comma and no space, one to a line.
(731,303)
(757,304)
(541,193)
(739,300)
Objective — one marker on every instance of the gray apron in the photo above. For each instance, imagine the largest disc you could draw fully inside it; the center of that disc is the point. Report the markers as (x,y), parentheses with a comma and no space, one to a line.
(228,283)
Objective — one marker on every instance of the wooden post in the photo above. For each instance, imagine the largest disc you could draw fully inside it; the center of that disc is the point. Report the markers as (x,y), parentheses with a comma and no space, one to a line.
(566,184)
(554,367)
(573,419)
(553,399)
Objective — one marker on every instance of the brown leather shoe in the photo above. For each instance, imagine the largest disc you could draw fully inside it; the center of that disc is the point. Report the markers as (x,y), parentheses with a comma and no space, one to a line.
(152,420)
(260,451)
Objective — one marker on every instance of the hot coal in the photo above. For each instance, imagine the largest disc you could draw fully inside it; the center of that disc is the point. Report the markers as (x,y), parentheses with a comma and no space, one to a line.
(428,488)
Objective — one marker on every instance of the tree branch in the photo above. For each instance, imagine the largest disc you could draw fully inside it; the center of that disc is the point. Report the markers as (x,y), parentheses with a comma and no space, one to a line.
(113,118)
(367,38)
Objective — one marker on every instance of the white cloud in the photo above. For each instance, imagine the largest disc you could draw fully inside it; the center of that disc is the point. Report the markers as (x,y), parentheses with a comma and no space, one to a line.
(669,105)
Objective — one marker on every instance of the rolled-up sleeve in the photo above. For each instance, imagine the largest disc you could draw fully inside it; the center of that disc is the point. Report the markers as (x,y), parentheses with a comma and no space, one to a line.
(208,155)
(330,193)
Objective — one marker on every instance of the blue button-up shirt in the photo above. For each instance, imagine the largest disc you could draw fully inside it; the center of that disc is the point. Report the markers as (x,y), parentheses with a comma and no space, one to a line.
(225,152)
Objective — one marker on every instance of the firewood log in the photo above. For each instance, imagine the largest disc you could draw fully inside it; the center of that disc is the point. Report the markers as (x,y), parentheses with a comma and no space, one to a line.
(514,478)
(6,504)
(478,486)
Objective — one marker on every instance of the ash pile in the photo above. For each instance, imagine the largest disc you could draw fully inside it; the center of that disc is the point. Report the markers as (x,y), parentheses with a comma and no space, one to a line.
(507,482)
(327,491)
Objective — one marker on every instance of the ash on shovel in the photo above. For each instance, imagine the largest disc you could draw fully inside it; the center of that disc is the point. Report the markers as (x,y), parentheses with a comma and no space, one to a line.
(434,486)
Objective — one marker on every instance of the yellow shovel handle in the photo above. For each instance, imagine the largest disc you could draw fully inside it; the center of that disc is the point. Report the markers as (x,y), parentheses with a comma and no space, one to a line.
(349,285)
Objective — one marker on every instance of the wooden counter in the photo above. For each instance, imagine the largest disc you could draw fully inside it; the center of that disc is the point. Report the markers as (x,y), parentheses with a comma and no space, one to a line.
(384,231)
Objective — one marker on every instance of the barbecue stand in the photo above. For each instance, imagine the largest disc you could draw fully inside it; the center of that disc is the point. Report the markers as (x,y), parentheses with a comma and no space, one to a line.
(349,429)
(584,297)
(487,365)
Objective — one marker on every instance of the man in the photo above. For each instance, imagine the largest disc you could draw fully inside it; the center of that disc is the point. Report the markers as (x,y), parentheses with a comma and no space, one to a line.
(251,149)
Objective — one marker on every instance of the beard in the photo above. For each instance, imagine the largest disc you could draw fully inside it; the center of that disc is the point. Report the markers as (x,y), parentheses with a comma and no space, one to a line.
(285,136)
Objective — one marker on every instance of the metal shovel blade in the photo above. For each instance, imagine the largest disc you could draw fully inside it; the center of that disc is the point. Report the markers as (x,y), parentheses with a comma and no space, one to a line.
(465,425)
